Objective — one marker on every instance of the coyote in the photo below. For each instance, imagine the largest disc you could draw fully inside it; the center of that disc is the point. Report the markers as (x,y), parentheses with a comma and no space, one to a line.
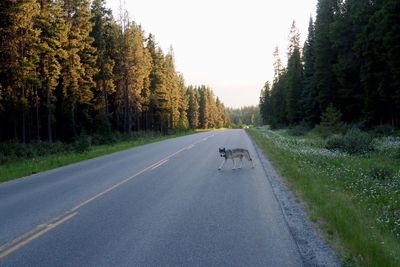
(234,153)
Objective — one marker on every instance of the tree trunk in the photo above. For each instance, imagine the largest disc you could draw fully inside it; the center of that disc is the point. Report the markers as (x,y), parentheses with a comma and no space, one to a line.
(37,122)
(49,117)
(23,119)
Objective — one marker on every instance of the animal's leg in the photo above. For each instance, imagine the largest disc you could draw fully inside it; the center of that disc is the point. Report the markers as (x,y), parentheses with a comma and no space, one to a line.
(222,164)
(241,162)
(234,164)
(250,159)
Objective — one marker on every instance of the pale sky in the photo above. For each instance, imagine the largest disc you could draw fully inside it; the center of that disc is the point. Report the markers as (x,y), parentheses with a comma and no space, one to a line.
(226,44)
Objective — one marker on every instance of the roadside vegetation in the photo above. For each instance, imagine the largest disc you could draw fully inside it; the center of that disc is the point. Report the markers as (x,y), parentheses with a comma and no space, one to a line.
(350,182)
(17,159)
(337,98)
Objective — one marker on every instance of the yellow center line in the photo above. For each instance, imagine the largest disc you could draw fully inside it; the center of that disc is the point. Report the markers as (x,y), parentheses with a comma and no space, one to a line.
(9,244)
(33,237)
(41,229)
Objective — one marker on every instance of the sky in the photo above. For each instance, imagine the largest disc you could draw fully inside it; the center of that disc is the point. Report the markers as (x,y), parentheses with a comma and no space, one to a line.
(225,44)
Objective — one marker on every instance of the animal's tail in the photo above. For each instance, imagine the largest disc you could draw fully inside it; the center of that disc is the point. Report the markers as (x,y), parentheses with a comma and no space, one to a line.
(247,155)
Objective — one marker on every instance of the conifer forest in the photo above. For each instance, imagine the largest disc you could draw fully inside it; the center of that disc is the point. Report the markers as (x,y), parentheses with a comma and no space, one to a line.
(350,62)
(68,67)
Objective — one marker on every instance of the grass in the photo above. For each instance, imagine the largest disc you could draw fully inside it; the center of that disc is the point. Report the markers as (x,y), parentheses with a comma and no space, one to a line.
(19,167)
(354,198)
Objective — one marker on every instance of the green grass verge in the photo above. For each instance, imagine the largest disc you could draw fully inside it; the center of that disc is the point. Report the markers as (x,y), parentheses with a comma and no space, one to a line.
(358,213)
(27,166)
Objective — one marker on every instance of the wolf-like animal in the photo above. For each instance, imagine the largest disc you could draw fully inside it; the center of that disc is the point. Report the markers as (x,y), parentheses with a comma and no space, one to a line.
(234,153)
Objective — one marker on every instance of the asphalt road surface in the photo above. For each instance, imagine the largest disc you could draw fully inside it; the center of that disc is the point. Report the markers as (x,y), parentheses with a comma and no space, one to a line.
(162,204)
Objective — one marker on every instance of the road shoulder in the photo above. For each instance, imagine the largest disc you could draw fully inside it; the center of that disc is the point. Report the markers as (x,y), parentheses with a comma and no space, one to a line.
(313,249)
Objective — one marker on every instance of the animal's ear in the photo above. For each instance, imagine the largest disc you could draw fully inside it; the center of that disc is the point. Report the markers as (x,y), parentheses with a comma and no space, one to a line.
(220,150)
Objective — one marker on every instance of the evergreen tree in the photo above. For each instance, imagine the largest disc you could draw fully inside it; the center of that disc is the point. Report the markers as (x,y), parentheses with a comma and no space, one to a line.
(390,24)
(104,41)
(265,104)
(325,55)
(158,87)
(278,94)
(346,69)
(183,123)
(172,84)
(331,121)
(220,114)
(53,34)
(133,78)
(193,107)
(79,69)
(19,56)
(204,107)
(294,76)
(379,71)
(309,95)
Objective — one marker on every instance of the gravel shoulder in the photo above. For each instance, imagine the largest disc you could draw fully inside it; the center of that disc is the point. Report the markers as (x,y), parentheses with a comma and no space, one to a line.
(314,250)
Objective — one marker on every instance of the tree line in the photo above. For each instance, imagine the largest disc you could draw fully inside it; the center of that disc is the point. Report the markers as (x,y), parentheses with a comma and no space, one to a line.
(244,116)
(350,62)
(68,67)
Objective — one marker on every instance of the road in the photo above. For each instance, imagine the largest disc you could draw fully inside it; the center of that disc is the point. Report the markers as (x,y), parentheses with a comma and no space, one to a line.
(162,204)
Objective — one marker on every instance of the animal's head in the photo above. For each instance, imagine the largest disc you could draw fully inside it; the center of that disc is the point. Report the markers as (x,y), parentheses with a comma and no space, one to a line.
(222,152)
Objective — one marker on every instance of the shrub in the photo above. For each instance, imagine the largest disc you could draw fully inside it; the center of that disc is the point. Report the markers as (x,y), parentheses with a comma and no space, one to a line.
(357,141)
(335,142)
(46,148)
(99,139)
(3,158)
(383,130)
(331,122)
(299,130)
(83,143)
(381,173)
(388,146)
(354,141)
(103,133)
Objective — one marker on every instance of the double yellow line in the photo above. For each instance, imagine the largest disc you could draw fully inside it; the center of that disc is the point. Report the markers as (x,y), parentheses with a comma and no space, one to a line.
(17,243)
(28,237)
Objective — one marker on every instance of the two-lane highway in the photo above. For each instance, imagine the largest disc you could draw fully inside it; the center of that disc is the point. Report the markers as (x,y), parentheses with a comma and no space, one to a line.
(162,204)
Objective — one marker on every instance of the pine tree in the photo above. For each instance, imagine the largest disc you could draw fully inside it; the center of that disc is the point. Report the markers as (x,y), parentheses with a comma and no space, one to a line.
(278,94)
(79,69)
(265,104)
(331,122)
(158,87)
(220,113)
(204,107)
(391,26)
(294,76)
(183,106)
(19,54)
(104,41)
(309,95)
(51,23)
(344,32)
(278,68)
(325,55)
(380,68)
(172,83)
(133,79)
(193,107)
